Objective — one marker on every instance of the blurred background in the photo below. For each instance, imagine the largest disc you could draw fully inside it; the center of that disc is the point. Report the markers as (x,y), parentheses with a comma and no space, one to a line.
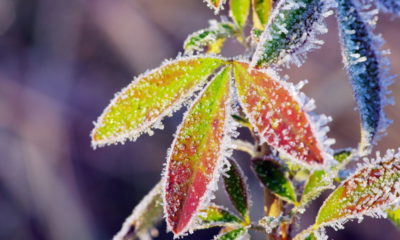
(60,64)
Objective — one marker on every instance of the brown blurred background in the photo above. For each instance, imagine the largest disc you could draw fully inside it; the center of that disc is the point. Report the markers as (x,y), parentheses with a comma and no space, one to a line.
(60,64)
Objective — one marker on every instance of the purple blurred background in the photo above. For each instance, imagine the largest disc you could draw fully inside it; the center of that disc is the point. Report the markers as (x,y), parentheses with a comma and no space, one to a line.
(60,64)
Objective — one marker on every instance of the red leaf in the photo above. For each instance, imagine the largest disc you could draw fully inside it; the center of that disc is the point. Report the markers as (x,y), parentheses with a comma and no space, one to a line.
(280,115)
(196,156)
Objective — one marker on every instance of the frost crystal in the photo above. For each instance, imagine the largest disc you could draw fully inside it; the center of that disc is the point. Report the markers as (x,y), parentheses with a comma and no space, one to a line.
(367,70)
(291,32)
(389,6)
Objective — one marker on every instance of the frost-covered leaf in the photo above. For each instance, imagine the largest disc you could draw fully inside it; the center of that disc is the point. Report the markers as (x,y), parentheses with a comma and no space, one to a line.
(280,115)
(197,154)
(150,97)
(318,182)
(141,222)
(365,69)
(394,216)
(237,189)
(261,12)
(273,177)
(239,11)
(321,180)
(217,5)
(210,39)
(369,190)
(216,216)
(235,234)
(291,32)
(389,6)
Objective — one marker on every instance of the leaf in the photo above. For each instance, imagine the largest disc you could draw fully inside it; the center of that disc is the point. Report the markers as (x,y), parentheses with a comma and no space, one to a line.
(216,5)
(150,97)
(261,12)
(369,190)
(144,216)
(279,113)
(394,216)
(196,156)
(366,72)
(272,176)
(239,11)
(216,216)
(321,180)
(237,189)
(389,6)
(291,32)
(211,37)
(232,235)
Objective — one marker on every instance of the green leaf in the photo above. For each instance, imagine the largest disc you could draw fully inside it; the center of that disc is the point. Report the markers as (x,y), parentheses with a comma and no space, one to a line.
(150,97)
(211,38)
(216,216)
(368,191)
(232,235)
(261,12)
(280,114)
(320,180)
(237,189)
(342,155)
(239,11)
(140,223)
(197,154)
(273,177)
(291,32)
(394,215)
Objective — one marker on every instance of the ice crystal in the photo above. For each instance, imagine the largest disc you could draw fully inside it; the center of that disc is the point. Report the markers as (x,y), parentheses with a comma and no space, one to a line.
(389,6)
(291,32)
(367,70)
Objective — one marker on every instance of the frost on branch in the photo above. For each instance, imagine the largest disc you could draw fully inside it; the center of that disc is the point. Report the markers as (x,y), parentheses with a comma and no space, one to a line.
(389,6)
(366,69)
(141,223)
(291,32)
(150,97)
(370,190)
(281,116)
(197,154)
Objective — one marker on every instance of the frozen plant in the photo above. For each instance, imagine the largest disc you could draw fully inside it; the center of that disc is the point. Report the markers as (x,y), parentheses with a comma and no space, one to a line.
(290,146)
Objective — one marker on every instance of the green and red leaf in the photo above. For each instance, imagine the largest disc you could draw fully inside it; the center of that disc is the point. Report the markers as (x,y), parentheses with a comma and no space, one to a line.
(140,223)
(196,157)
(367,192)
(280,115)
(237,189)
(150,97)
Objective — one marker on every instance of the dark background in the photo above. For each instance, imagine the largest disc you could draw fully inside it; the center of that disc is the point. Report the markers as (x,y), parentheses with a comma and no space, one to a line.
(61,61)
